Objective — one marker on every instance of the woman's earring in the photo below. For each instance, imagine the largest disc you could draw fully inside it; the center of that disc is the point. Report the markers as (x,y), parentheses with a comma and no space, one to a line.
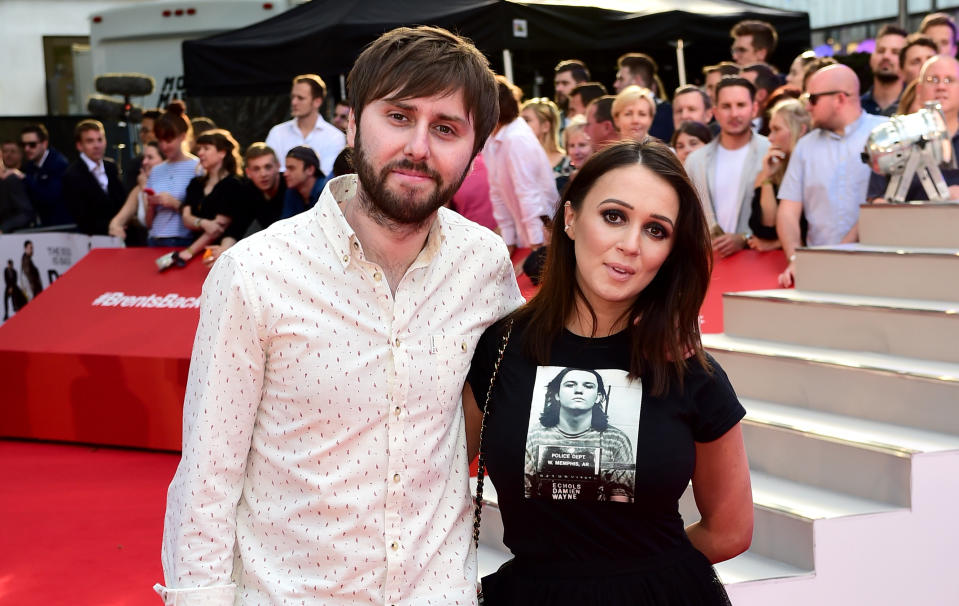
(566,228)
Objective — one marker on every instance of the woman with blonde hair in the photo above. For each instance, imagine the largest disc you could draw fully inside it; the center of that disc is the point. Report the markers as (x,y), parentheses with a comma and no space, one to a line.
(788,121)
(542,115)
(633,111)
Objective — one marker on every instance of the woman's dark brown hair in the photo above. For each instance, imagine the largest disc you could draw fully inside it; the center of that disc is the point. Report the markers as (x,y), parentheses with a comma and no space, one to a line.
(173,122)
(223,141)
(664,320)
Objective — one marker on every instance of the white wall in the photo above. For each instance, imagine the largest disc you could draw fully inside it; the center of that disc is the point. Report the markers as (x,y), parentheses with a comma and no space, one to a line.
(23,24)
(829,13)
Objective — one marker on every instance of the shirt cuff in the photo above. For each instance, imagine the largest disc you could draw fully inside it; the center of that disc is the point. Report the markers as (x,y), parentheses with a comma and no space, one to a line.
(219,595)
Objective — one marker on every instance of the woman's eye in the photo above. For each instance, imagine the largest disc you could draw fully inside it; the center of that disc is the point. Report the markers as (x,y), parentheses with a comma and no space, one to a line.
(657,231)
(614,216)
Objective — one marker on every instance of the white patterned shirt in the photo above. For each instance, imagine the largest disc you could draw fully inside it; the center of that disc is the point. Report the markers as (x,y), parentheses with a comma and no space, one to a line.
(324,454)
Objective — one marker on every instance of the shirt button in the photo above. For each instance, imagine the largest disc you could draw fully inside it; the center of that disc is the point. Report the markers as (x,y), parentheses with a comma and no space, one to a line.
(346,258)
(396,411)
(356,245)
(377,276)
(463,346)
(394,545)
(396,341)
(396,478)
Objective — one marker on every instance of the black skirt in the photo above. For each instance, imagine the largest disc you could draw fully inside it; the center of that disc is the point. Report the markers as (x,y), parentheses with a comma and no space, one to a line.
(682,577)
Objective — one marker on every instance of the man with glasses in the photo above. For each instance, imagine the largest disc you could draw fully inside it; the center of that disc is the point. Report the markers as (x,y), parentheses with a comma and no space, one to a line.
(938,81)
(44,168)
(826,178)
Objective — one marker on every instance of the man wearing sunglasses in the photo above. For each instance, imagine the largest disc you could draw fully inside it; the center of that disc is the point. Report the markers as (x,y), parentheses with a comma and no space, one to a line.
(826,178)
(44,168)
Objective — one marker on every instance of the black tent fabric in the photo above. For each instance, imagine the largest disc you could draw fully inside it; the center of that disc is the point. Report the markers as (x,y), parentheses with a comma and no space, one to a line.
(325,37)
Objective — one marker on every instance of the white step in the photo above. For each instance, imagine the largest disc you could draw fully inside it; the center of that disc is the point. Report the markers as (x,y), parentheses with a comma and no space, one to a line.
(902,391)
(881,271)
(913,224)
(750,566)
(901,327)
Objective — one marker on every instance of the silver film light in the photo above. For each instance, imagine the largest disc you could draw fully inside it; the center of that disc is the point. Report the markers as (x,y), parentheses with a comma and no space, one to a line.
(914,144)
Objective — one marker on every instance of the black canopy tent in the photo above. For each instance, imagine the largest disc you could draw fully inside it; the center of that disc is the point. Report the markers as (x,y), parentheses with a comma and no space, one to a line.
(325,36)
(237,77)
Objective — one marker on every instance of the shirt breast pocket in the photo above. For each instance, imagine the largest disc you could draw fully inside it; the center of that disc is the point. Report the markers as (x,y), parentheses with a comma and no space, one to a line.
(451,356)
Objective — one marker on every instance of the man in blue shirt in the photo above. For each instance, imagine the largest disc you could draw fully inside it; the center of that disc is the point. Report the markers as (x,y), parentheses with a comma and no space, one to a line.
(44,168)
(304,181)
(826,178)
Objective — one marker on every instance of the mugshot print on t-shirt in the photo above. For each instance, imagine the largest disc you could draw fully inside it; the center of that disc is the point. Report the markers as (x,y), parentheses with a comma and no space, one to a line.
(582,435)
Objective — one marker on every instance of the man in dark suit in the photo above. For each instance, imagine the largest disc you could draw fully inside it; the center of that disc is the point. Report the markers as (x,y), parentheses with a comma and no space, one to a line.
(91,185)
(44,168)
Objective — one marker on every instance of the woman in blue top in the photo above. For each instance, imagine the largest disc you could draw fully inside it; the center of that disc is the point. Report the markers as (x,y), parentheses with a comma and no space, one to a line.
(605,405)
(166,186)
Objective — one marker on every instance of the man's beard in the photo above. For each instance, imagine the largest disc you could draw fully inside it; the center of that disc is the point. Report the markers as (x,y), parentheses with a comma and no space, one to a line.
(562,102)
(391,208)
(887,77)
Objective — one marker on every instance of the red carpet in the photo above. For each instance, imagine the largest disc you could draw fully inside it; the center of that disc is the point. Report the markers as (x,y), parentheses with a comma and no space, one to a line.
(81,525)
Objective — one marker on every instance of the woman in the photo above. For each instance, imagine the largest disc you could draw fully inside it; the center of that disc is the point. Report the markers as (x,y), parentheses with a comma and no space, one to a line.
(633,112)
(214,198)
(132,215)
(542,115)
(166,185)
(798,69)
(628,270)
(788,121)
(689,137)
(578,145)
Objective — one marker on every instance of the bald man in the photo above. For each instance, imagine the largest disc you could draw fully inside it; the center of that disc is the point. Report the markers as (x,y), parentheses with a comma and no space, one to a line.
(826,179)
(938,81)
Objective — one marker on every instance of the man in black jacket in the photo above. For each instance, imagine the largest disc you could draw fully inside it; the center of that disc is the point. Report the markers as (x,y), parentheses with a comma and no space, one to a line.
(91,186)
(44,168)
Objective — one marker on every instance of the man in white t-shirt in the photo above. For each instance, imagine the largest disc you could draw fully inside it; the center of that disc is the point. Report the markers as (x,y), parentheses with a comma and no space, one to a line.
(307,126)
(724,171)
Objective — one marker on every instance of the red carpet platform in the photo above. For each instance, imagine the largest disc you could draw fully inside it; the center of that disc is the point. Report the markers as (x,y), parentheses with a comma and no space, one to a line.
(102,356)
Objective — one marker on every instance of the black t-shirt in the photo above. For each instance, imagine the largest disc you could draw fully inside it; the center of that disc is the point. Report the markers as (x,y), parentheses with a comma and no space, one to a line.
(223,199)
(256,211)
(604,490)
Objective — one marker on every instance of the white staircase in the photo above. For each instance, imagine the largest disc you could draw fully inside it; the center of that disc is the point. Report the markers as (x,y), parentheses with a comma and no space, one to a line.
(851,386)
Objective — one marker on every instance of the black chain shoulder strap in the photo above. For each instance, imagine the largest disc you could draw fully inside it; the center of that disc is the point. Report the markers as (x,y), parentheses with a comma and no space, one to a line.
(481,471)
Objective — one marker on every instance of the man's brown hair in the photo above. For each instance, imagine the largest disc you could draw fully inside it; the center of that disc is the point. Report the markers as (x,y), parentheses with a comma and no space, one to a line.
(725,68)
(764,34)
(423,61)
(258,150)
(316,84)
(85,125)
(933,19)
(642,65)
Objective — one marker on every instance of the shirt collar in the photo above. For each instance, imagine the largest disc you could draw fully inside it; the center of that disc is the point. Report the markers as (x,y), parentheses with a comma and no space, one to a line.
(43,158)
(90,163)
(320,125)
(329,215)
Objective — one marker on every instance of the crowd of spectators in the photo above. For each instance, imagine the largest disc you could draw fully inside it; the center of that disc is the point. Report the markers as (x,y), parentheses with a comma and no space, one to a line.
(774,156)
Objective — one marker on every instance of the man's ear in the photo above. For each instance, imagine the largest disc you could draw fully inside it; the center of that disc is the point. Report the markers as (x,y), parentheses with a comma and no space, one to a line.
(351,130)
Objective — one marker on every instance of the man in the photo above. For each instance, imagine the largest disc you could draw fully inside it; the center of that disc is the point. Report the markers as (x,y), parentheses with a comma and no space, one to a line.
(131,168)
(12,294)
(826,178)
(724,170)
(567,75)
(324,458)
(938,81)
(582,95)
(12,155)
(691,104)
(917,50)
(942,29)
(766,80)
(599,122)
(522,186)
(304,181)
(341,114)
(753,42)
(15,210)
(29,273)
(887,83)
(92,186)
(712,74)
(307,126)
(44,167)
(639,69)
(263,203)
